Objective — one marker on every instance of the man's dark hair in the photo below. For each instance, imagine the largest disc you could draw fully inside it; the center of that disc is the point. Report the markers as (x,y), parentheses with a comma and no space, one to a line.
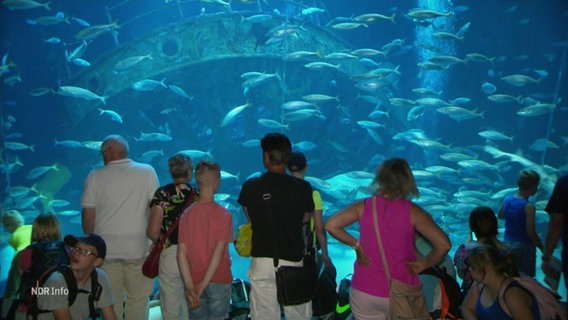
(278,147)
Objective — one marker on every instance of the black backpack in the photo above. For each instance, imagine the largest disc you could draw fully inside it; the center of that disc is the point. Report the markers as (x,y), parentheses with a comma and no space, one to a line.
(325,298)
(451,295)
(48,257)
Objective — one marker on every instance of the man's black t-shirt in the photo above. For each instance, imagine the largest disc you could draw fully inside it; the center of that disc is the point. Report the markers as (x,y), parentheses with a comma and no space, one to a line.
(276,204)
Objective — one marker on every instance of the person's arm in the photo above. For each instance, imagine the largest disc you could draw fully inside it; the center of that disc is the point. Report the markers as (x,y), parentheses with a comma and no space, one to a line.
(336,224)
(321,236)
(555,227)
(212,267)
(469,303)
(519,301)
(425,225)
(246,214)
(108,313)
(155,223)
(62,314)
(183,263)
(501,214)
(88,220)
(530,212)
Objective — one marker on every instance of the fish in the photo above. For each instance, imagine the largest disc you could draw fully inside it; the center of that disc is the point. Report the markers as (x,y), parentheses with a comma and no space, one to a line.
(77,52)
(427,91)
(196,154)
(251,143)
(129,62)
(456,156)
(296,105)
(57,203)
(422,14)
(25,4)
(13,80)
(373,17)
(475,164)
(257,18)
(488,87)
(53,40)
(92,145)
(494,135)
(40,171)
(369,124)
(348,25)
(68,213)
(148,84)
(375,136)
(58,18)
(81,62)
(94,32)
(367,52)
(228,176)
(152,153)
(78,92)
(268,123)
(478,57)
(230,116)
(10,145)
(340,56)
(318,97)
(429,65)
(37,92)
(69,143)
(114,116)
(543,144)
(302,114)
(311,11)
(459,113)
(305,145)
(520,80)
(446,60)
(536,109)
(432,102)
(321,65)
(298,55)
(179,91)
(447,36)
(502,98)
(154,136)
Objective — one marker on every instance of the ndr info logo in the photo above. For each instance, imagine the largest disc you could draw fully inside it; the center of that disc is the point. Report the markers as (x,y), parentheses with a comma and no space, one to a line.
(49,291)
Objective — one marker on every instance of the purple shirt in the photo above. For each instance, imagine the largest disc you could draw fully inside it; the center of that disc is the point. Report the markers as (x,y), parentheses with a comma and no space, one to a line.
(397,234)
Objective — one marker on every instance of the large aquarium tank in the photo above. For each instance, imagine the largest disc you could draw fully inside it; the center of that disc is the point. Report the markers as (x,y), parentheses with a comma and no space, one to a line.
(469,92)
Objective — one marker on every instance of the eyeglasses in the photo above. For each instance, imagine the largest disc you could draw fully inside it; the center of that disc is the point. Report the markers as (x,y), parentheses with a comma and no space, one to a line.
(83,252)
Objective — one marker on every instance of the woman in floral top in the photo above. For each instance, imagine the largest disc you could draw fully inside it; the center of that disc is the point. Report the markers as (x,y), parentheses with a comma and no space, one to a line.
(483,224)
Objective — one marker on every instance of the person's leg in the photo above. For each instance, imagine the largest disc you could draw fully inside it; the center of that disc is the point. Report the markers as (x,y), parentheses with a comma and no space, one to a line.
(138,289)
(218,300)
(114,272)
(263,302)
(172,298)
(299,312)
(367,307)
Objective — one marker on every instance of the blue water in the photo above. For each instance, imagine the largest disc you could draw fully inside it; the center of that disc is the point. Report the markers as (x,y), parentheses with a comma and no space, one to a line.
(520,37)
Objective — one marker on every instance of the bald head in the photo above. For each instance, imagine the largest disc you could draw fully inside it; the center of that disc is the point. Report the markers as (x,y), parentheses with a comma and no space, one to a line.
(114,147)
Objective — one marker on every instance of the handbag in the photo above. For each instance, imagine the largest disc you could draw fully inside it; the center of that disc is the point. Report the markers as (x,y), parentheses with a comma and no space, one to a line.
(405,301)
(243,242)
(151,266)
(296,284)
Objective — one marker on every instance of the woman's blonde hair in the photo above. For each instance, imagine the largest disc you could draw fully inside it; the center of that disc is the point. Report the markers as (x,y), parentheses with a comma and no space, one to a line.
(395,179)
(46,227)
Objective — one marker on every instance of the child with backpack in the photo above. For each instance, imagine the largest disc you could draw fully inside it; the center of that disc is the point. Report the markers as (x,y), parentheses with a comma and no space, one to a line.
(76,290)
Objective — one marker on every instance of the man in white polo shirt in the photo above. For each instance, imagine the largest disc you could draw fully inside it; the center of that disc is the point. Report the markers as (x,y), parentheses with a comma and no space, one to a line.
(115,204)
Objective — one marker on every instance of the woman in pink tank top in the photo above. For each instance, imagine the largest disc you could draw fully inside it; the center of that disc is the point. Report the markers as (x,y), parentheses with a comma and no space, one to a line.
(398,220)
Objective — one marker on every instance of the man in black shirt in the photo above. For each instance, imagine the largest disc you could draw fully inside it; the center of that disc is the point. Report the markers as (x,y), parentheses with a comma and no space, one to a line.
(276,205)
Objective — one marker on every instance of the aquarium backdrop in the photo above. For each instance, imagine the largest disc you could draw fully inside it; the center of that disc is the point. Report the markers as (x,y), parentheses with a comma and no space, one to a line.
(469,92)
